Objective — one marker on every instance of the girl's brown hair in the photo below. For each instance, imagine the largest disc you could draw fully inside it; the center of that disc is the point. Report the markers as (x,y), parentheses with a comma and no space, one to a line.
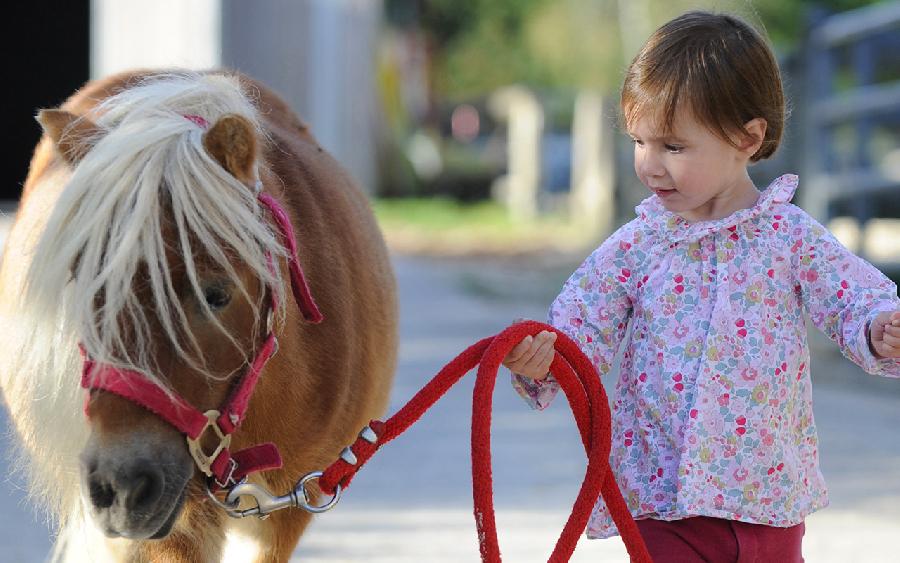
(717,67)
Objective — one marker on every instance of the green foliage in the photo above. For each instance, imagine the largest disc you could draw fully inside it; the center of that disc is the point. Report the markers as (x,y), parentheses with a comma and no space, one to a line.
(479,45)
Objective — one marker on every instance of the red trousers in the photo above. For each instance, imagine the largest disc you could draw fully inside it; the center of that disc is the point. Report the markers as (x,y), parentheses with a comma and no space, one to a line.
(702,539)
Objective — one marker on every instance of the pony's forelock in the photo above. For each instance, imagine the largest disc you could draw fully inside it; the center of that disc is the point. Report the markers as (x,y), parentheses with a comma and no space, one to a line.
(147,175)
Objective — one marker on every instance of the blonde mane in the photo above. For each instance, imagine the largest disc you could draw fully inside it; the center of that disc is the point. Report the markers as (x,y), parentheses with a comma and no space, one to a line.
(106,232)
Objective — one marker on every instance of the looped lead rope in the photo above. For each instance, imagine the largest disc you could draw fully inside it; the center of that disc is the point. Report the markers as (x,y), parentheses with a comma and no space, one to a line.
(581,384)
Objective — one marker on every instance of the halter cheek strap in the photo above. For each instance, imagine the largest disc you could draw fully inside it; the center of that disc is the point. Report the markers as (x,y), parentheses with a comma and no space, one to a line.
(220,464)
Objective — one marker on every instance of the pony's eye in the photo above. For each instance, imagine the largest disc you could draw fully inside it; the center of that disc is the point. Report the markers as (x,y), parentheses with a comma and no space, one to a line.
(216,297)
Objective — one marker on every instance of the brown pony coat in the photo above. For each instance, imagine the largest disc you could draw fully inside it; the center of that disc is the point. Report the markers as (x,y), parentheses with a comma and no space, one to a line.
(326,382)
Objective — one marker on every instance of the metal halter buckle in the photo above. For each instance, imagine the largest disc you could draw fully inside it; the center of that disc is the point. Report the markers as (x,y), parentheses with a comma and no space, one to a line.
(267,503)
(204,462)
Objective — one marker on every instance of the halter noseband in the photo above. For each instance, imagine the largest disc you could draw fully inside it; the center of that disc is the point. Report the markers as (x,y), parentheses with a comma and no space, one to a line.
(222,466)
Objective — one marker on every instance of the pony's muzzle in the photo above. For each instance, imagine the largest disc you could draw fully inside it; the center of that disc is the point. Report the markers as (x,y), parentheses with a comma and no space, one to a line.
(135,496)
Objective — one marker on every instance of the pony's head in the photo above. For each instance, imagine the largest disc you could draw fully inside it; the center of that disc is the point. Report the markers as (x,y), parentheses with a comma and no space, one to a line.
(155,260)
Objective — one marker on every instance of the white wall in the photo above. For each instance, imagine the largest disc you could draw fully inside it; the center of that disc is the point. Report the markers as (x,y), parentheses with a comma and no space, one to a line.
(159,33)
(320,55)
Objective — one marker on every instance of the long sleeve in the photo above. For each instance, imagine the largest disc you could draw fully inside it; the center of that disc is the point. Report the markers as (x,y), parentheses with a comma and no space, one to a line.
(843,294)
(593,309)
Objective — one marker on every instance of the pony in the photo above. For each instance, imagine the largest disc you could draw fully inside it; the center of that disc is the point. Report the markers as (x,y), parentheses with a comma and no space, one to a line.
(161,216)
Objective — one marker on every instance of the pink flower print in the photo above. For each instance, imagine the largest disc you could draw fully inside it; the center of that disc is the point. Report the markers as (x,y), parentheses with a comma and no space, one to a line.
(740,474)
(724,399)
(811,275)
(678,385)
(714,424)
(768,438)
(741,422)
(739,277)
(681,331)
(742,332)
(760,393)
(754,292)
(624,274)
(629,434)
(679,287)
(624,246)
(768,338)
(844,285)
(694,251)
(692,350)
(771,273)
(694,413)
(750,492)
(749,374)
(669,308)
(719,501)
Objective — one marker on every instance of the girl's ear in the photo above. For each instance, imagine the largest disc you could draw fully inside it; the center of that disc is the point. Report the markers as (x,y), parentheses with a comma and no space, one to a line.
(756,133)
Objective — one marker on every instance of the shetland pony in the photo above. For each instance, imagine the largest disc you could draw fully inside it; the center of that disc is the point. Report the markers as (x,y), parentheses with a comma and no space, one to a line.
(140,244)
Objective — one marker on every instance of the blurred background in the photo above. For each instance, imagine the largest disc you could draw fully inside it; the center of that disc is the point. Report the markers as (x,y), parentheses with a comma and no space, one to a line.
(486,133)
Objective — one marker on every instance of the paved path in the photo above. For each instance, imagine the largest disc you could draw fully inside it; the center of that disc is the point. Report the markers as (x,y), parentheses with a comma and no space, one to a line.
(412,502)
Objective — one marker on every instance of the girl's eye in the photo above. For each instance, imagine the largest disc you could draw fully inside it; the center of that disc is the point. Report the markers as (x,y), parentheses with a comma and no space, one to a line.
(637,142)
(216,297)
(674,148)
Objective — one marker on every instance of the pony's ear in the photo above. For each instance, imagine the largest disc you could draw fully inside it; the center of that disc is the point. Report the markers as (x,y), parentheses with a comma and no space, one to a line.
(232,142)
(73,135)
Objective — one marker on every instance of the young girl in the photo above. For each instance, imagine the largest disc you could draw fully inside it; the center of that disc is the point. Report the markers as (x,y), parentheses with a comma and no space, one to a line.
(714,444)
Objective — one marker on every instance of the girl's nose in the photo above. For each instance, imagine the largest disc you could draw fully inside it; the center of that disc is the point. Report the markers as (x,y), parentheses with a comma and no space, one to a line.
(649,164)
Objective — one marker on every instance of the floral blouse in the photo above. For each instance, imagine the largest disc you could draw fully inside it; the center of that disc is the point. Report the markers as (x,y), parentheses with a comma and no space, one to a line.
(712,411)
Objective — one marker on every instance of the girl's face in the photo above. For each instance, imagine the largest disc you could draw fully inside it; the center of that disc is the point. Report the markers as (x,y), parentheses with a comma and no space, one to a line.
(694,173)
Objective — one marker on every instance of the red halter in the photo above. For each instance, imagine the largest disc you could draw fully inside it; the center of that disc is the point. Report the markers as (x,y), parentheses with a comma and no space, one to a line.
(225,467)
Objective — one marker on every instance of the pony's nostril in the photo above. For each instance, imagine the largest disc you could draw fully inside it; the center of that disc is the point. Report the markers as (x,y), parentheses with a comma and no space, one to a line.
(102,494)
(144,490)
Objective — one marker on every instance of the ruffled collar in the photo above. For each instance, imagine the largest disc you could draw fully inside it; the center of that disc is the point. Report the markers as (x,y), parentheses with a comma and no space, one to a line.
(674,228)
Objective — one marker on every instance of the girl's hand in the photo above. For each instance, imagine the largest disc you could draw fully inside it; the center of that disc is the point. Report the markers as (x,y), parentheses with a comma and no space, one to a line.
(532,357)
(884,335)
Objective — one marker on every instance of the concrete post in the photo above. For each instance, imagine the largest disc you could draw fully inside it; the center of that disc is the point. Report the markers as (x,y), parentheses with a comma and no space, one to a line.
(518,189)
(592,196)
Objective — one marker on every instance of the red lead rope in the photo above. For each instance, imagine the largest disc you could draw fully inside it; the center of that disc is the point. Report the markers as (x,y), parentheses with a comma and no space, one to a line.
(581,384)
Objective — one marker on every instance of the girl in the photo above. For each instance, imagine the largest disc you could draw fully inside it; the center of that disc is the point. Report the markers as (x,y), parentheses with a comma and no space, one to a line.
(714,444)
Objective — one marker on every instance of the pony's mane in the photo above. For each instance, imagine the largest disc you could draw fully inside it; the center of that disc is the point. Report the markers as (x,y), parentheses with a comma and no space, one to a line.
(146,176)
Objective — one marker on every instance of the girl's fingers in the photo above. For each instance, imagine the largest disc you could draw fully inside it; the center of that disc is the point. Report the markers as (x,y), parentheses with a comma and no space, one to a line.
(540,361)
(892,330)
(891,340)
(518,351)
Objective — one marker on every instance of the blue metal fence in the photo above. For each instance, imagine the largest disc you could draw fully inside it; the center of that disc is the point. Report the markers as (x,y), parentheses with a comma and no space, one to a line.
(851,114)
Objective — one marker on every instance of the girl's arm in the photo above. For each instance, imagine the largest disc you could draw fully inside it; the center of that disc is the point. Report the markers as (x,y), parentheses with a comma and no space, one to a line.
(593,309)
(844,295)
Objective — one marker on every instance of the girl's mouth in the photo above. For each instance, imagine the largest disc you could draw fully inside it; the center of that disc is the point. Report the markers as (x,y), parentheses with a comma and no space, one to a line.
(664,192)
